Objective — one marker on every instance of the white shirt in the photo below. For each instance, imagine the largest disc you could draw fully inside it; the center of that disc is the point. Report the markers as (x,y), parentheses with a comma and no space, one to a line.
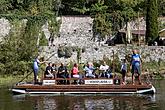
(104,67)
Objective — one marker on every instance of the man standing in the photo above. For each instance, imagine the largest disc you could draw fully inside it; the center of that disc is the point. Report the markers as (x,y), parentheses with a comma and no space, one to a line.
(135,65)
(36,63)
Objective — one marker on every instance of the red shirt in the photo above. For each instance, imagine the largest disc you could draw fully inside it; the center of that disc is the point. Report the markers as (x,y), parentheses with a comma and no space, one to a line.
(75,71)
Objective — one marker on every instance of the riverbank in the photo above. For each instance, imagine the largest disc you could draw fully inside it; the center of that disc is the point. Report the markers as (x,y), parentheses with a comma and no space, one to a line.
(11,80)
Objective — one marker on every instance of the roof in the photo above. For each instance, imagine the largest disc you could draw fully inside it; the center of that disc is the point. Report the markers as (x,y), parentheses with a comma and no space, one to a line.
(162,33)
(162,30)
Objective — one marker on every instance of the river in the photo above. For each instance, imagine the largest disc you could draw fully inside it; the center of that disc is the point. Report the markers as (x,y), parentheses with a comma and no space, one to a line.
(8,101)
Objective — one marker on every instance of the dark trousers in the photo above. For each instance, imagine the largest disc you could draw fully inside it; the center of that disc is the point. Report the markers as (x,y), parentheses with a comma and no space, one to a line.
(35,75)
(63,75)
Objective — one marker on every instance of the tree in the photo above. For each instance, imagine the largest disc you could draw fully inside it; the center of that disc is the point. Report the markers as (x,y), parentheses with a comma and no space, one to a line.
(161,4)
(151,21)
(101,23)
(27,18)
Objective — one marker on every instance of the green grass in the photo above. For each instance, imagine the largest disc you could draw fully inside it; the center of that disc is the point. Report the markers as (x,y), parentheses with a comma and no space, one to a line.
(11,80)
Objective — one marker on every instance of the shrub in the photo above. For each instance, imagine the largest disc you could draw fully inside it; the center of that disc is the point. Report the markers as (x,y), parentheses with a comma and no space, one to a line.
(43,41)
(65,52)
(83,49)
(61,51)
(78,55)
(68,52)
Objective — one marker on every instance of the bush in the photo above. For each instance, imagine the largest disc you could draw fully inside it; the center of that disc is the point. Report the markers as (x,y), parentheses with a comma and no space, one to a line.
(61,51)
(68,52)
(43,41)
(2,66)
(78,55)
(83,49)
(65,52)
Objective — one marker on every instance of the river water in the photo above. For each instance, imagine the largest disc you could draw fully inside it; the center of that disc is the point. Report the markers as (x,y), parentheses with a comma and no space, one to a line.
(8,101)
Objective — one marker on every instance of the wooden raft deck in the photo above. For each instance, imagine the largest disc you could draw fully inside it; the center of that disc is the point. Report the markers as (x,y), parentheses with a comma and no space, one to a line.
(62,89)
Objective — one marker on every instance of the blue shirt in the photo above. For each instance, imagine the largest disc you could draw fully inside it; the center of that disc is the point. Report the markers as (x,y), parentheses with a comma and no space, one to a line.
(135,59)
(89,70)
(35,64)
(124,66)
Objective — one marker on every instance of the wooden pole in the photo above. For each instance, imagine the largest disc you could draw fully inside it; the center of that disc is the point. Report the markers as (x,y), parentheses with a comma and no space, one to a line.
(32,71)
(113,65)
(138,29)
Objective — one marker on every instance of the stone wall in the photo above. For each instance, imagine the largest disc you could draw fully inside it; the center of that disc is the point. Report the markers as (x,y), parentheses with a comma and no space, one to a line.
(4,27)
(77,31)
(148,53)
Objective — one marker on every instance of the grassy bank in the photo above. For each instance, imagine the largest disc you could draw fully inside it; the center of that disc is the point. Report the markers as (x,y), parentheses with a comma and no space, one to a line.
(11,80)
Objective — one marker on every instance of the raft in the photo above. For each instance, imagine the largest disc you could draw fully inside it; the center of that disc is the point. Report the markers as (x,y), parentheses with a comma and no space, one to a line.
(89,86)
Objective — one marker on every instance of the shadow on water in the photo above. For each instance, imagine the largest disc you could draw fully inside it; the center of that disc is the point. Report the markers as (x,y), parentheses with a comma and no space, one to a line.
(84,102)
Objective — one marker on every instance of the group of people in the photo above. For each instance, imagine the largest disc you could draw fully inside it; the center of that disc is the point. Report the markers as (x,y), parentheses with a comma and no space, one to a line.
(52,71)
(135,67)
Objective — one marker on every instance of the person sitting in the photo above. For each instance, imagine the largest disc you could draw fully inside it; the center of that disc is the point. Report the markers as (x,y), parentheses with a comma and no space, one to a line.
(89,70)
(109,73)
(62,73)
(74,73)
(48,72)
(104,68)
(54,70)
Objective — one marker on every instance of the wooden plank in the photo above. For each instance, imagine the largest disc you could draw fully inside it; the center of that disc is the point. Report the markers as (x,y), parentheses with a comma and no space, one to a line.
(82,90)
(86,86)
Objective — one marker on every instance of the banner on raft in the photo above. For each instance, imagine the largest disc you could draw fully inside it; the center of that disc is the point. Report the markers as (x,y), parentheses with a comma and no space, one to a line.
(99,81)
(48,82)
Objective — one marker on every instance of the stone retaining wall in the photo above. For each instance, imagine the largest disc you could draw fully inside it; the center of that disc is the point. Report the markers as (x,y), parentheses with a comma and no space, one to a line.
(148,53)
(77,32)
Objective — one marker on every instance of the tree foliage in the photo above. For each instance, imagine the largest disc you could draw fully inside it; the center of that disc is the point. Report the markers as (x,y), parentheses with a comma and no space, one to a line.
(161,9)
(15,52)
(27,18)
(151,21)
(101,24)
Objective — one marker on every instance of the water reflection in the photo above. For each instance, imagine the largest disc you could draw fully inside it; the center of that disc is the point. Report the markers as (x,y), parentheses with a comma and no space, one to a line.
(101,104)
(43,102)
(90,102)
